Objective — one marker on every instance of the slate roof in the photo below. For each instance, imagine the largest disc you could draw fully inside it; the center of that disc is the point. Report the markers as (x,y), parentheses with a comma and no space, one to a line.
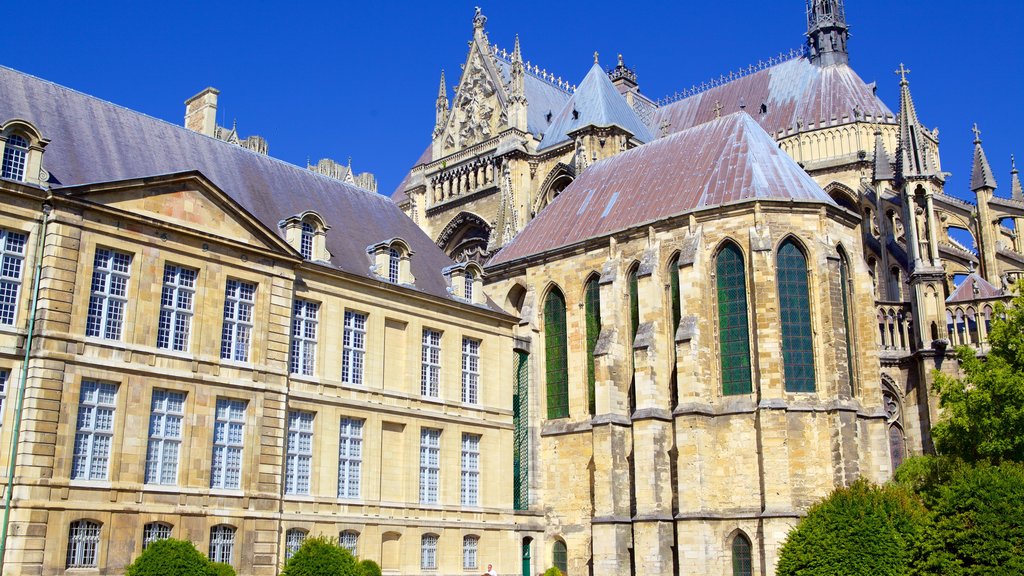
(965,291)
(596,103)
(541,97)
(792,90)
(981,172)
(93,141)
(723,161)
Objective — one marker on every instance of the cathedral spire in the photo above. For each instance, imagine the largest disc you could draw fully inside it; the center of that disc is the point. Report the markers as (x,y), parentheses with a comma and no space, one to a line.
(441,116)
(981,173)
(827,32)
(912,154)
(1015,190)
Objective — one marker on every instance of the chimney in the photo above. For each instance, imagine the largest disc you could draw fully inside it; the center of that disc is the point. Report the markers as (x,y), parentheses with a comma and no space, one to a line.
(201,112)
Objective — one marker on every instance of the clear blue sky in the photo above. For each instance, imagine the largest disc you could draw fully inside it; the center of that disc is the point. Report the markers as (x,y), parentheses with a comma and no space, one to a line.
(336,79)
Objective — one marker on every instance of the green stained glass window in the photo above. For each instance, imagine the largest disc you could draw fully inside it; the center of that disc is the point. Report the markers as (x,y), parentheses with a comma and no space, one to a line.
(733,329)
(844,289)
(634,305)
(560,556)
(556,356)
(742,565)
(673,282)
(795,316)
(592,302)
(521,433)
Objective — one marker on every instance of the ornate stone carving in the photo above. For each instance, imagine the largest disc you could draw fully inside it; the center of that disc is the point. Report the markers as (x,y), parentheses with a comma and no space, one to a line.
(475,105)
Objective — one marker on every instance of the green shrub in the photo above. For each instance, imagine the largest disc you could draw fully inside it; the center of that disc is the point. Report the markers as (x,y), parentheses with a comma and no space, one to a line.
(221,569)
(553,572)
(170,557)
(861,530)
(321,556)
(370,568)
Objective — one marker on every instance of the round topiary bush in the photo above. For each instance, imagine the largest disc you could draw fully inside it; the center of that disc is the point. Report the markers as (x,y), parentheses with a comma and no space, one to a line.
(221,569)
(321,556)
(170,557)
(370,568)
(553,572)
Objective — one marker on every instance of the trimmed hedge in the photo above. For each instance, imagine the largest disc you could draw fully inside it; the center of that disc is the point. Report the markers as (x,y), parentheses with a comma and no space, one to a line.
(173,557)
(321,556)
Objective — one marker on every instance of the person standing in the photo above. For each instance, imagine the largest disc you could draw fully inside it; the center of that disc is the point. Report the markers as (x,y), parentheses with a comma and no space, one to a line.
(490,571)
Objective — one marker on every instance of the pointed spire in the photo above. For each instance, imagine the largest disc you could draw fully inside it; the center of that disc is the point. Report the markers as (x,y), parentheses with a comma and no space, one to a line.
(981,173)
(1015,190)
(441,110)
(442,90)
(912,154)
(516,55)
(882,163)
(517,90)
(827,32)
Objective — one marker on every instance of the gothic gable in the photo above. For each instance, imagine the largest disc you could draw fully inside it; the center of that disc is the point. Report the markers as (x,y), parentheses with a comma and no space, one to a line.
(478,109)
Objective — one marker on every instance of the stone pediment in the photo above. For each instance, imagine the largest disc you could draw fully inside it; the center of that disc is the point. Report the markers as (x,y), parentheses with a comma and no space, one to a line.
(478,109)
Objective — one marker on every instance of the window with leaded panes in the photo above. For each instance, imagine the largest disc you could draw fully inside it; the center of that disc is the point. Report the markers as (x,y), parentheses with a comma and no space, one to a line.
(222,544)
(155,531)
(176,301)
(430,371)
(634,303)
(742,562)
(83,544)
(795,318)
(560,556)
(15,155)
(94,431)
(353,348)
(467,290)
(236,334)
(521,432)
(12,260)
(733,323)
(394,260)
(110,274)
(293,540)
(349,540)
(592,310)
(470,485)
(846,294)
(299,454)
(470,371)
(304,327)
(556,355)
(673,286)
(167,411)
(430,465)
(228,443)
(306,241)
(350,458)
(470,546)
(428,552)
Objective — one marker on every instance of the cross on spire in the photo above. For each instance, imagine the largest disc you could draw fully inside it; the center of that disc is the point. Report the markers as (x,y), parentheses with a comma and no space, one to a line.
(903,71)
(718,109)
(595,56)
(977,133)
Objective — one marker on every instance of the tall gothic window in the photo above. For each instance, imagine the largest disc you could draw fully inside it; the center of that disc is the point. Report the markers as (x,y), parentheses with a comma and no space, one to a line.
(894,421)
(795,313)
(521,433)
(733,327)
(592,303)
(556,355)
(742,564)
(846,295)
(634,325)
(673,286)
(560,556)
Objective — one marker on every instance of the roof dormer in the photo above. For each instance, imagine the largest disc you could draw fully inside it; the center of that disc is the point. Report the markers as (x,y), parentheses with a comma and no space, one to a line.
(391,261)
(21,151)
(307,233)
(465,282)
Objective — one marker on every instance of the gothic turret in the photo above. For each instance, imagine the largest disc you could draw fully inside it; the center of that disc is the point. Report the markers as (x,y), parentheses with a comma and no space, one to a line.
(981,172)
(983,184)
(1015,190)
(827,32)
(913,159)
(517,91)
(882,164)
(442,107)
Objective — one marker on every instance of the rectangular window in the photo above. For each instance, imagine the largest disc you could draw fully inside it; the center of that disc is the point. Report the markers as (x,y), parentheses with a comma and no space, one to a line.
(154,531)
(12,259)
(4,377)
(350,458)
(430,465)
(430,381)
(470,470)
(353,348)
(94,431)
(470,371)
(15,153)
(228,441)
(236,335)
(428,552)
(165,417)
(304,323)
(299,459)
(176,308)
(469,549)
(110,274)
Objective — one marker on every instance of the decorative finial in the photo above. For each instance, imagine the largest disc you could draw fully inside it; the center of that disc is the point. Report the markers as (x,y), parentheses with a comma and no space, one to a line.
(595,56)
(977,133)
(718,109)
(620,60)
(903,71)
(479,19)
(1013,164)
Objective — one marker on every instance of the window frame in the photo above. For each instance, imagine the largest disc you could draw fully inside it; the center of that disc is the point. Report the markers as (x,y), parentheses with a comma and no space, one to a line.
(556,357)
(174,329)
(470,370)
(430,369)
(733,320)
(352,535)
(293,539)
(307,240)
(92,434)
(299,453)
(430,465)
(793,284)
(353,347)
(161,444)
(106,313)
(470,552)
(742,555)
(592,317)
(15,159)
(219,474)
(236,331)
(12,271)
(469,480)
(350,458)
(83,550)
(428,551)
(222,538)
(148,529)
(305,324)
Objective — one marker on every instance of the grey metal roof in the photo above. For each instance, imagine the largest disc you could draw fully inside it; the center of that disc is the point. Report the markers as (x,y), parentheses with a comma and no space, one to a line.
(981,172)
(727,160)
(93,141)
(595,103)
(965,291)
(795,90)
(541,97)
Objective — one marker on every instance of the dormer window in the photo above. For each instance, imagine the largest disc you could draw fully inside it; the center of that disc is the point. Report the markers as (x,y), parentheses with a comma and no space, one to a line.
(15,157)
(21,152)
(467,290)
(390,261)
(307,233)
(465,282)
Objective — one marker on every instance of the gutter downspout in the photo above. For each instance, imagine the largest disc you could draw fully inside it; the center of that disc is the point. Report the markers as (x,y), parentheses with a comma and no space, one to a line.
(13,456)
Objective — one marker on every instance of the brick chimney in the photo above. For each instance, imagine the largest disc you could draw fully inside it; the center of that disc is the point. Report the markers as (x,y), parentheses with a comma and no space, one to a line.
(201,112)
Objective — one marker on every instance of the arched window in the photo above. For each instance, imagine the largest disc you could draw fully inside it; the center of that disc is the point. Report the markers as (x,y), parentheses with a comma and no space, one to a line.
(733,327)
(306,241)
(349,540)
(895,285)
(742,564)
(894,420)
(795,315)
(521,433)
(556,356)
(293,539)
(222,543)
(83,544)
(634,325)
(592,304)
(155,531)
(15,153)
(846,294)
(560,556)
(470,544)
(428,552)
(673,286)
(394,262)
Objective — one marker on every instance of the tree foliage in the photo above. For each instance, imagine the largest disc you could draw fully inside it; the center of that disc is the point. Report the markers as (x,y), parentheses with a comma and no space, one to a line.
(172,557)
(861,530)
(983,413)
(321,556)
(553,571)
(370,568)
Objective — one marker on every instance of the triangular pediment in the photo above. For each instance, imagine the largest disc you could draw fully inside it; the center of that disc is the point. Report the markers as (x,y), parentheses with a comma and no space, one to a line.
(188,200)
(478,108)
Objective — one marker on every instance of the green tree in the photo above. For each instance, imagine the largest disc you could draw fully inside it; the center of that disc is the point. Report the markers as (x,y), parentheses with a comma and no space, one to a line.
(861,530)
(370,568)
(321,556)
(983,413)
(172,557)
(553,571)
